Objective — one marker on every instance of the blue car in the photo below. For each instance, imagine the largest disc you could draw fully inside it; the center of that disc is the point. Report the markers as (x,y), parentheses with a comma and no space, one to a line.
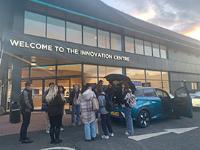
(154,103)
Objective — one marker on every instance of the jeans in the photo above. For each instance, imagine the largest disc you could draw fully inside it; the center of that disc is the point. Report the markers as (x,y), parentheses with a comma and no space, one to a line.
(76,114)
(55,124)
(106,124)
(90,130)
(129,121)
(26,116)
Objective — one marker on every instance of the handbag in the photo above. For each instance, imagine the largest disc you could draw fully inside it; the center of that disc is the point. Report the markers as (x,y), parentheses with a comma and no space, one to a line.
(95,104)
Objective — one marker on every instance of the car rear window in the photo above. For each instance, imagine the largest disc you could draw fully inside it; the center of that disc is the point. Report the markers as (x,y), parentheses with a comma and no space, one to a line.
(149,92)
(139,92)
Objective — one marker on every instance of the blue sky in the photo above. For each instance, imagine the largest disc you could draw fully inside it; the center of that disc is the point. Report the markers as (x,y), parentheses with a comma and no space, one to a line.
(182,16)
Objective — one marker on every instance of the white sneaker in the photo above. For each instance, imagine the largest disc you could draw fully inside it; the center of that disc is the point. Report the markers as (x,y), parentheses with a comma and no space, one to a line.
(126,133)
(61,129)
(112,134)
(47,131)
(105,137)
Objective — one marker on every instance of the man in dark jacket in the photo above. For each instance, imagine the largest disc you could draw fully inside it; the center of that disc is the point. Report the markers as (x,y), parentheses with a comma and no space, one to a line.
(26,103)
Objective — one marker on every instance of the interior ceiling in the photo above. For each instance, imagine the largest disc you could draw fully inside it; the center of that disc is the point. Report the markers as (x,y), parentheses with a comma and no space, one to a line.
(47,61)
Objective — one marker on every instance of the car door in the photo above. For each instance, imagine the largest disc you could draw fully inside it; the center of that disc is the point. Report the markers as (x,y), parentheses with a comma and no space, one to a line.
(182,103)
(155,102)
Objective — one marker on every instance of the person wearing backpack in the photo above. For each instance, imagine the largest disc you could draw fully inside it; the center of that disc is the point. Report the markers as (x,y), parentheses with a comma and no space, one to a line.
(26,105)
(105,117)
(129,101)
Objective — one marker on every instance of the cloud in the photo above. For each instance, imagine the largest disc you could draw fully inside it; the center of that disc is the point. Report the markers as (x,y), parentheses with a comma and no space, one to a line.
(181,16)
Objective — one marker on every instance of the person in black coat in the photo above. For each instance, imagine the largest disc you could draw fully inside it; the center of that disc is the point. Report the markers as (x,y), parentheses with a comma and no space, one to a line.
(55,113)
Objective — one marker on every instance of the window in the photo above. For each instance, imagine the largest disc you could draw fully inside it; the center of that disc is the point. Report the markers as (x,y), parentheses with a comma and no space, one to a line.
(90,70)
(34,24)
(73,33)
(149,92)
(156,52)
(104,71)
(139,47)
(43,71)
(25,73)
(55,28)
(103,39)
(165,76)
(139,92)
(89,36)
(147,48)
(67,70)
(116,42)
(163,52)
(153,75)
(194,85)
(135,74)
(129,44)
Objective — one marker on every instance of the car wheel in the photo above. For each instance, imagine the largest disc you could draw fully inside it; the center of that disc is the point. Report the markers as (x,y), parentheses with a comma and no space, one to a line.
(143,119)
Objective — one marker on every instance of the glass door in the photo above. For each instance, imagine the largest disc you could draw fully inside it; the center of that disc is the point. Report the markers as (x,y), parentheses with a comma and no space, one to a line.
(37,94)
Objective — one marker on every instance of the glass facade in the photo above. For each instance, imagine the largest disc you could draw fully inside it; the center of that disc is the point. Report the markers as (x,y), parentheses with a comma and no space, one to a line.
(105,70)
(139,49)
(43,71)
(68,70)
(129,44)
(55,28)
(156,52)
(147,48)
(103,39)
(89,36)
(116,42)
(73,32)
(35,24)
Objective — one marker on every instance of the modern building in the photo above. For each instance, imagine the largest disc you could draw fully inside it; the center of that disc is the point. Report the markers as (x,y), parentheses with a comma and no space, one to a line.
(81,41)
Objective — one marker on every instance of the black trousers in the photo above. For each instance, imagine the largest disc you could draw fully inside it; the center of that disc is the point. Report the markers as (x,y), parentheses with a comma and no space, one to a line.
(55,124)
(106,124)
(26,116)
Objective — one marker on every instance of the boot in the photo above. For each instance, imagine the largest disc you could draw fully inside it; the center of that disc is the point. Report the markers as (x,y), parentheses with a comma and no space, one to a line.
(52,133)
(57,136)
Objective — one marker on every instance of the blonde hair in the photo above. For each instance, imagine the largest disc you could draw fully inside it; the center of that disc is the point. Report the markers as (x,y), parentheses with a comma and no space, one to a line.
(52,93)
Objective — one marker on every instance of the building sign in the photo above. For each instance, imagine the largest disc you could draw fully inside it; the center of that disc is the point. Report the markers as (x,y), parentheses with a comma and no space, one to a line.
(69,50)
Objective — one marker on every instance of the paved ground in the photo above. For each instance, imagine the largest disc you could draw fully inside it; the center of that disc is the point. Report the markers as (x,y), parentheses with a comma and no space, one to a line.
(73,137)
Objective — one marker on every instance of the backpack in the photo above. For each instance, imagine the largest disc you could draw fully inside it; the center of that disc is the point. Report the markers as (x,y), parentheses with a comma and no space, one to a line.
(109,105)
(131,102)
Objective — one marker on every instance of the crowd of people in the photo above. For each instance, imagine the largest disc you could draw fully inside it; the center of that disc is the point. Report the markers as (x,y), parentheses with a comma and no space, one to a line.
(88,104)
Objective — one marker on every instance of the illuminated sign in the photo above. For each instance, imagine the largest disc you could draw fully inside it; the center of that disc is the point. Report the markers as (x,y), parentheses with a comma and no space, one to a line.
(69,50)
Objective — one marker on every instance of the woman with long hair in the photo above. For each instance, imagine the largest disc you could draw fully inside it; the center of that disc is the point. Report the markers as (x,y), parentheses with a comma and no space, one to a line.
(55,113)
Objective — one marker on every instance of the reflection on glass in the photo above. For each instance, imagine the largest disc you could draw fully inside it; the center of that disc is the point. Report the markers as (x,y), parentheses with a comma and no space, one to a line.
(104,70)
(129,44)
(153,75)
(67,70)
(55,28)
(154,84)
(156,52)
(89,36)
(116,42)
(163,52)
(34,24)
(90,80)
(43,71)
(135,74)
(165,76)
(90,70)
(103,39)
(37,94)
(166,86)
(74,33)
(147,48)
(25,73)
(139,47)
